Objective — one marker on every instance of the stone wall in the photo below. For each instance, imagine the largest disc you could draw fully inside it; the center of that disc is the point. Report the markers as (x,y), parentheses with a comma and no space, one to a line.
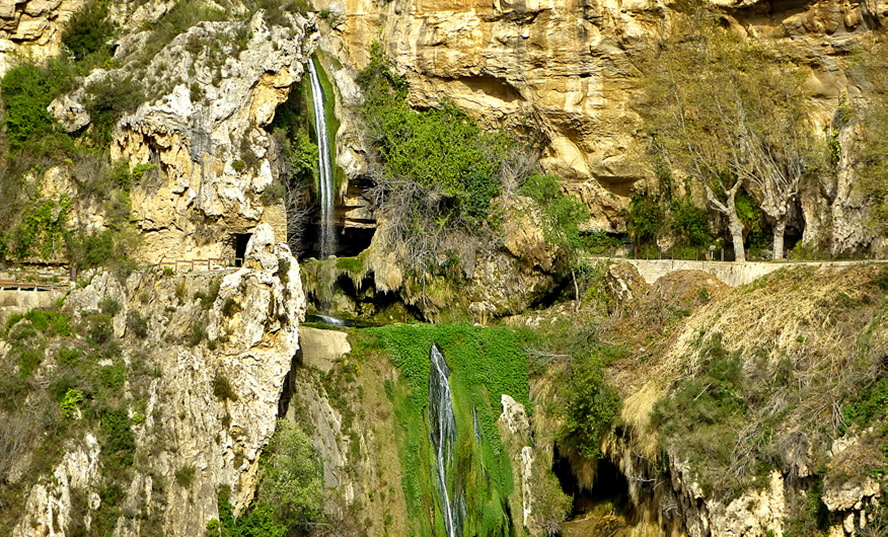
(730,273)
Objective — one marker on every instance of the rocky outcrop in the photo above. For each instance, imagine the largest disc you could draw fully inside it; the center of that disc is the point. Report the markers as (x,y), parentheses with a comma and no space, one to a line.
(33,29)
(181,420)
(219,84)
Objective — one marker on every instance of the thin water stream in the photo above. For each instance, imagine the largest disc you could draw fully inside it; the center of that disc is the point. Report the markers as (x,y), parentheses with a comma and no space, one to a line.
(325,167)
(442,433)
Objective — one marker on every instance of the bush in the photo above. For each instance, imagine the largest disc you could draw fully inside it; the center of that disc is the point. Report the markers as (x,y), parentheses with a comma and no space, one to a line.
(591,407)
(100,329)
(137,324)
(71,402)
(68,356)
(230,307)
(196,334)
(259,521)
(113,376)
(51,323)
(40,230)
(439,171)
(88,30)
(29,359)
(110,98)
(185,476)
(207,299)
(292,480)
(562,214)
(109,306)
(645,219)
(222,388)
(27,91)
(119,443)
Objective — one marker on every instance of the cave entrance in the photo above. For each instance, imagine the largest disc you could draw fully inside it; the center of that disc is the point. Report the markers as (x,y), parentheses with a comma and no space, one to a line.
(240,247)
(609,492)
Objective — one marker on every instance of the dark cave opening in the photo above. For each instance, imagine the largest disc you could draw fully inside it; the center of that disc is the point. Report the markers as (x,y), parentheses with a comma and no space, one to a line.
(610,486)
(240,247)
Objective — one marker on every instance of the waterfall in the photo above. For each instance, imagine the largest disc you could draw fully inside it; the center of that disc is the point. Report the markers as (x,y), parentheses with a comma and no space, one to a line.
(442,433)
(325,167)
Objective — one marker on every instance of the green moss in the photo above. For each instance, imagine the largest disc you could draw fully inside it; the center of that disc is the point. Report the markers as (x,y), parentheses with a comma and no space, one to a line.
(485,363)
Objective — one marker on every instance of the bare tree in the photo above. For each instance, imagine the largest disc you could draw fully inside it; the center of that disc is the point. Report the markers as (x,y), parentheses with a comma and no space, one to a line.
(731,114)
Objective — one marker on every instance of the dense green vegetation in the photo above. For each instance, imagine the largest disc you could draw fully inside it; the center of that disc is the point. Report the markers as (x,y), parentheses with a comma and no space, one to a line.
(436,171)
(562,216)
(82,391)
(485,363)
(290,490)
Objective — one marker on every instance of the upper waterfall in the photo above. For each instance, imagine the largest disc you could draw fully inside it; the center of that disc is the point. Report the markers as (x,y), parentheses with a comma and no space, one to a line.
(325,167)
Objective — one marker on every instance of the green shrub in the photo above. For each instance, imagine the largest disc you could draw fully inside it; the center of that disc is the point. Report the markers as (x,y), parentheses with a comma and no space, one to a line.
(230,307)
(137,324)
(110,98)
(690,223)
(439,168)
(100,329)
(645,219)
(222,388)
(119,443)
(196,334)
(29,359)
(867,405)
(27,91)
(40,230)
(591,406)
(274,193)
(113,376)
(291,476)
(88,30)
(185,476)
(207,299)
(258,521)
(51,323)
(59,387)
(71,402)
(562,214)
(68,356)
(110,306)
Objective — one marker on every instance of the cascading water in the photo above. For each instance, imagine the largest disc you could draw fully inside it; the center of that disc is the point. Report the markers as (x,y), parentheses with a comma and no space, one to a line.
(442,433)
(325,167)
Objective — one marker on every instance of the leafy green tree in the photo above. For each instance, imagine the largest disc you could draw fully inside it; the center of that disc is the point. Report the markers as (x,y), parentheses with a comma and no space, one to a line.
(27,90)
(292,476)
(88,30)
(591,407)
(731,113)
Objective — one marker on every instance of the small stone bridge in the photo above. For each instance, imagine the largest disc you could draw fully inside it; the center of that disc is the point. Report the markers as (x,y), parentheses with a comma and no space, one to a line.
(731,273)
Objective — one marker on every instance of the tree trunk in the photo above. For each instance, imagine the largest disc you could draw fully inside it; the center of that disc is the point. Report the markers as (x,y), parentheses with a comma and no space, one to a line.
(779,230)
(736,228)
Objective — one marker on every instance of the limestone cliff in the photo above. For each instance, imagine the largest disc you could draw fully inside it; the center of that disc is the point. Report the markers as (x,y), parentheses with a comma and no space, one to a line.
(570,69)
(174,344)
(218,86)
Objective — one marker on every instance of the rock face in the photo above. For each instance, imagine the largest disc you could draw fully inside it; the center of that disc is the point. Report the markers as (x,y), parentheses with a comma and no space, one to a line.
(569,69)
(218,90)
(33,28)
(185,421)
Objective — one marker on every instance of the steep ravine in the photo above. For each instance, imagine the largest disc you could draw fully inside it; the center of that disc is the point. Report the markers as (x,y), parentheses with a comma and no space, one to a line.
(801,477)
